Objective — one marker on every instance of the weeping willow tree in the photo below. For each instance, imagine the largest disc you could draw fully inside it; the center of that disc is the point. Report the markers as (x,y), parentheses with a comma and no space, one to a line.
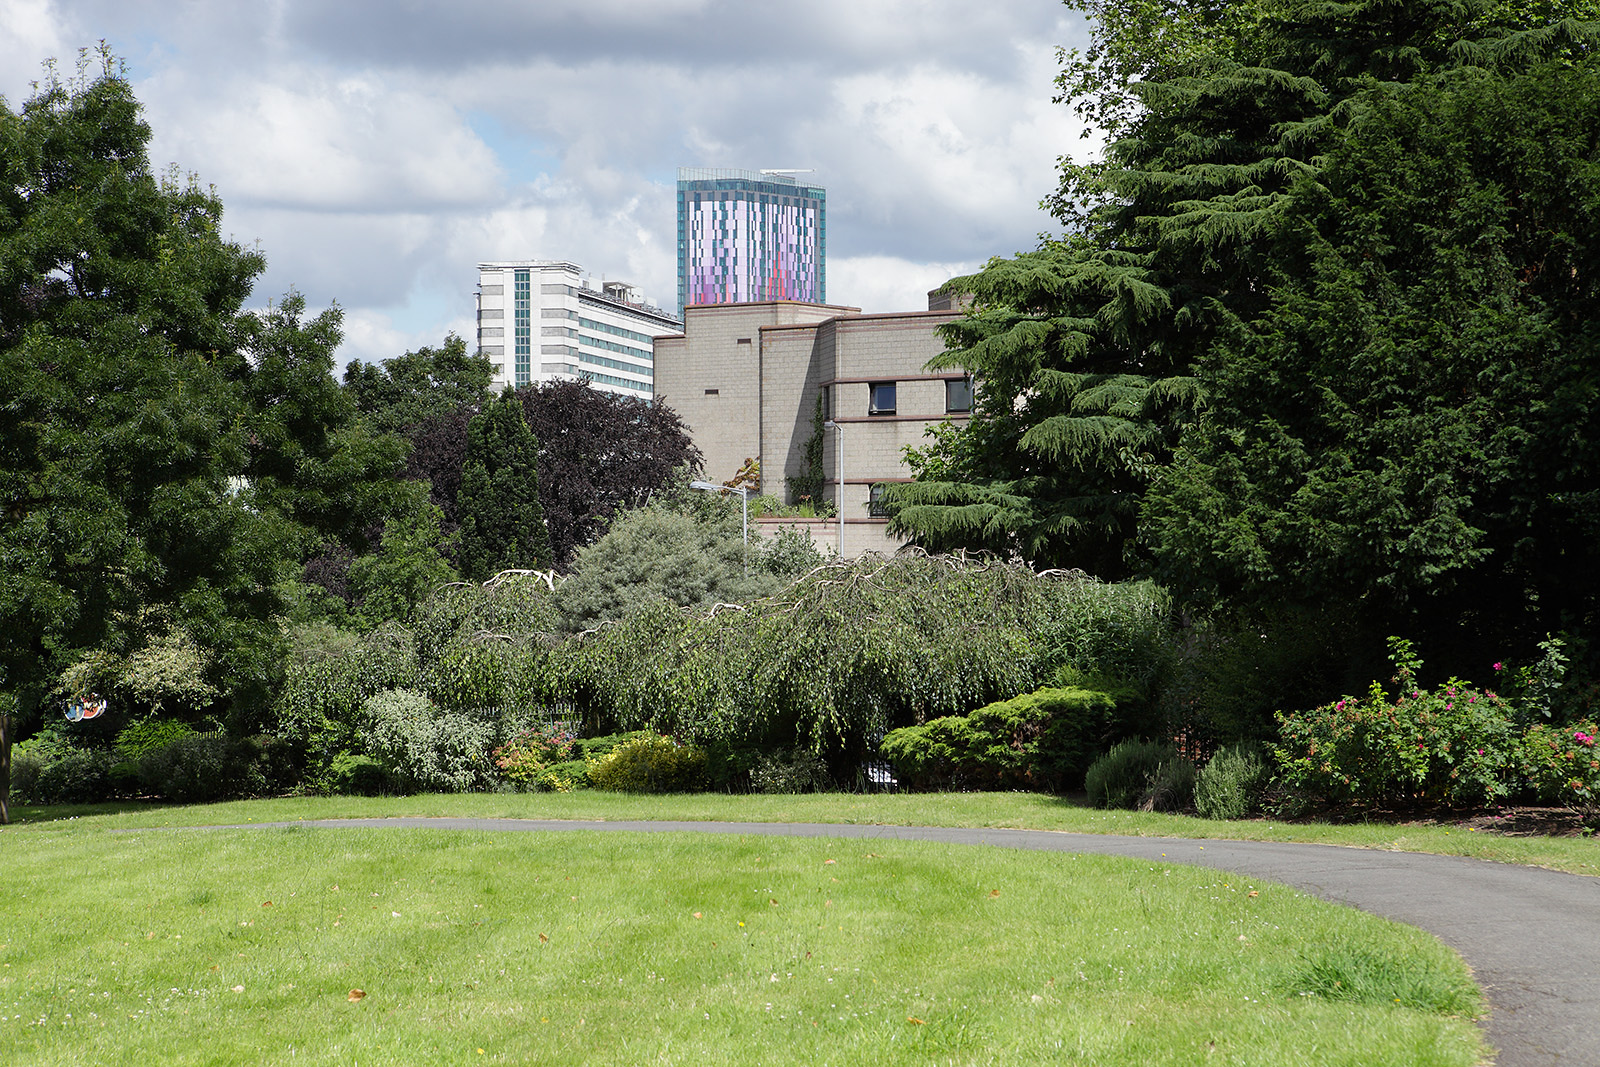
(844,654)
(1088,352)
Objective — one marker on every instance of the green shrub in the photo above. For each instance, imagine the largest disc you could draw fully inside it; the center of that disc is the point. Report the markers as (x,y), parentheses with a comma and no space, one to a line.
(1123,777)
(1451,745)
(650,765)
(1040,740)
(79,777)
(1171,787)
(1113,630)
(1562,765)
(592,748)
(426,748)
(201,768)
(353,774)
(564,777)
(1229,786)
(137,738)
(790,770)
(25,770)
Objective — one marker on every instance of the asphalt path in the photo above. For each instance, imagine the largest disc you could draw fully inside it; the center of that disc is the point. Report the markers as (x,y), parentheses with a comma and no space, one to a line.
(1531,936)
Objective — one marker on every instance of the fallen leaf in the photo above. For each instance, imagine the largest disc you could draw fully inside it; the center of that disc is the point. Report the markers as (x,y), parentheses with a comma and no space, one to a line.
(915,1021)
(697,915)
(774,903)
(1253,893)
(266,903)
(544,939)
(355,995)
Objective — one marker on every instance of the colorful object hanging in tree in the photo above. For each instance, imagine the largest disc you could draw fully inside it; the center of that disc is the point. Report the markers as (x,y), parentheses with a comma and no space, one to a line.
(86,707)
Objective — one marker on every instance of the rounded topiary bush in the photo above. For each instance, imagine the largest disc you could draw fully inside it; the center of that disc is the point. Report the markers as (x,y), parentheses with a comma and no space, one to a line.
(1229,786)
(650,765)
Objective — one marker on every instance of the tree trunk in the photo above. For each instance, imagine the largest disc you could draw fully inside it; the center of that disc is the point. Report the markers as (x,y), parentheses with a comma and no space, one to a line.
(5,765)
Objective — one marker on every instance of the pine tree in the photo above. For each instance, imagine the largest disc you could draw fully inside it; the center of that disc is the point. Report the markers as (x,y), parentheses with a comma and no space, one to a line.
(502,523)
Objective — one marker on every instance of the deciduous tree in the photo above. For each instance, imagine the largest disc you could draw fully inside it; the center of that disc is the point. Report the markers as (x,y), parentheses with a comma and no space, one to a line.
(410,389)
(121,430)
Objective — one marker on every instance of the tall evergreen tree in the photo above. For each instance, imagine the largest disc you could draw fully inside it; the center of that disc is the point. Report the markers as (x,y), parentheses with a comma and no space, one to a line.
(502,522)
(1409,436)
(1086,351)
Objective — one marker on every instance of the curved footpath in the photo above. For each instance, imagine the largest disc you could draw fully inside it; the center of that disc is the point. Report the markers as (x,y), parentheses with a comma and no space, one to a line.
(1531,936)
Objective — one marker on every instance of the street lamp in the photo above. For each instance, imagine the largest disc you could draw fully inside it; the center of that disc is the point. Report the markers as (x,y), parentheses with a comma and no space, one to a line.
(838,493)
(744,499)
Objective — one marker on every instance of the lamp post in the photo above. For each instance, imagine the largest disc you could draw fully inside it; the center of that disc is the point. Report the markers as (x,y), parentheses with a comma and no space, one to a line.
(744,500)
(838,493)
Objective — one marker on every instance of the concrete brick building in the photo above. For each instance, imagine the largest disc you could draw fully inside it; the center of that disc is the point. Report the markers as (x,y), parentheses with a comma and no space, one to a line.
(747,378)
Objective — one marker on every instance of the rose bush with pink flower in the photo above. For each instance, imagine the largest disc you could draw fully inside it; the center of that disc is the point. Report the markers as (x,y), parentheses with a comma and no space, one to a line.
(1455,745)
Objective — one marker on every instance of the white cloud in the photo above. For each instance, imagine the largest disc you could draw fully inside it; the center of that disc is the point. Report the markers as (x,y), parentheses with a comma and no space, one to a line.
(878,284)
(28,35)
(372,336)
(312,140)
(378,152)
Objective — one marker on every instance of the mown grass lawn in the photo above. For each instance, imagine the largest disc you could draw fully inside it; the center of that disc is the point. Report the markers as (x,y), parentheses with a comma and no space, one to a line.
(247,946)
(1575,855)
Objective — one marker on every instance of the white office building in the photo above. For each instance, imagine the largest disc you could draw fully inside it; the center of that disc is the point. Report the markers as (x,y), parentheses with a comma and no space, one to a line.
(545,319)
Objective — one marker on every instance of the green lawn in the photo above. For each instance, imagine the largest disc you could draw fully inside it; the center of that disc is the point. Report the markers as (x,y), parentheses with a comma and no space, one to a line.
(245,946)
(1027,810)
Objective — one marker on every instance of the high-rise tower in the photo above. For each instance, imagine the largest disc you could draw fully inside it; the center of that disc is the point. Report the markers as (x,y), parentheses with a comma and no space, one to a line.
(559,326)
(747,236)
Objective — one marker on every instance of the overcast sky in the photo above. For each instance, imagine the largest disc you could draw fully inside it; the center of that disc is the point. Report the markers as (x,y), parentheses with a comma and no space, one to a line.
(379,149)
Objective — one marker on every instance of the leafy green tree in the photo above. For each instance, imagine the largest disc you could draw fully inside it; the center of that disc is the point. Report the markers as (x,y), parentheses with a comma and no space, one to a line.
(407,390)
(122,436)
(406,569)
(502,523)
(311,459)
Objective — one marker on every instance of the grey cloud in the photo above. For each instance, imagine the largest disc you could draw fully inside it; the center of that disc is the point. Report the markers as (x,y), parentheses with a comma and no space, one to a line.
(751,35)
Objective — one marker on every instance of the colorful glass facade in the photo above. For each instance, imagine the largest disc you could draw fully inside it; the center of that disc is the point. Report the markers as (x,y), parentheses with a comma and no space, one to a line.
(750,235)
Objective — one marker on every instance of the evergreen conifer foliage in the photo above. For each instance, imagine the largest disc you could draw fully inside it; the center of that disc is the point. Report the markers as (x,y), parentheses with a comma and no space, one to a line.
(502,522)
(1090,353)
(1416,412)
